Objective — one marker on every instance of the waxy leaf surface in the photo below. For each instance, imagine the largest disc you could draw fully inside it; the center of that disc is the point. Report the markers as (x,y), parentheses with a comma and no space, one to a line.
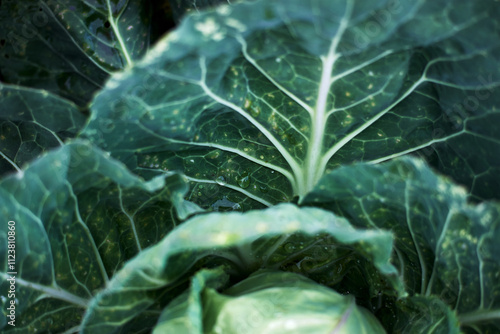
(257,101)
(33,121)
(444,246)
(79,216)
(313,241)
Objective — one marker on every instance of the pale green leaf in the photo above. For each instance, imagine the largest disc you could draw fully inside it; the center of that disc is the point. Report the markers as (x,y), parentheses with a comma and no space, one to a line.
(314,242)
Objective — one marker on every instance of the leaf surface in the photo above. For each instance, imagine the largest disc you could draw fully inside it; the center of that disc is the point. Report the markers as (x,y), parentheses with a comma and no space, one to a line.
(280,237)
(444,246)
(69,47)
(79,216)
(32,122)
(261,99)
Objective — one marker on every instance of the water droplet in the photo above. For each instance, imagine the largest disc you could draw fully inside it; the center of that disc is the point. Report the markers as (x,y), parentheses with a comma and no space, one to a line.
(244,180)
(289,247)
(263,189)
(148,115)
(248,104)
(221,180)
(462,245)
(214,155)
(255,111)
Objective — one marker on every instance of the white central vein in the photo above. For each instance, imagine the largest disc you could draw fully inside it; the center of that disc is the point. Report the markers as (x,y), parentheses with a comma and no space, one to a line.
(118,35)
(51,291)
(313,168)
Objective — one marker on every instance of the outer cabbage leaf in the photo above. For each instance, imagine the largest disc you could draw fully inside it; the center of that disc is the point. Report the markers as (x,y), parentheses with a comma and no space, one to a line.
(423,314)
(69,47)
(65,47)
(275,238)
(79,217)
(33,121)
(445,248)
(258,100)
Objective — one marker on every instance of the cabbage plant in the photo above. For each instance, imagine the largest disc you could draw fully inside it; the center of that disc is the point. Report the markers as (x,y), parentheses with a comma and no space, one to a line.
(263,167)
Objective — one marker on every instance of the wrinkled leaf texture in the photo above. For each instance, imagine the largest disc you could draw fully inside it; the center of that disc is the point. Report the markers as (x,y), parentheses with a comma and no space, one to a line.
(256,102)
(445,249)
(79,217)
(56,53)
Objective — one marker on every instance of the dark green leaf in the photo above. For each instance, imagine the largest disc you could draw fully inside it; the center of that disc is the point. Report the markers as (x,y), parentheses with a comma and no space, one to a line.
(78,217)
(444,247)
(33,121)
(69,47)
(280,92)
(422,314)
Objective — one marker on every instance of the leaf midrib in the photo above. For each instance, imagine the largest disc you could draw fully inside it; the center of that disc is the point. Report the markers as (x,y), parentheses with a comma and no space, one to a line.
(118,35)
(51,291)
(313,170)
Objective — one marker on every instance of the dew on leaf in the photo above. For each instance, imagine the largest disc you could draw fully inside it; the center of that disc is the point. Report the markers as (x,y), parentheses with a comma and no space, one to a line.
(221,180)
(214,154)
(255,111)
(289,247)
(244,180)
(263,189)
(247,104)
